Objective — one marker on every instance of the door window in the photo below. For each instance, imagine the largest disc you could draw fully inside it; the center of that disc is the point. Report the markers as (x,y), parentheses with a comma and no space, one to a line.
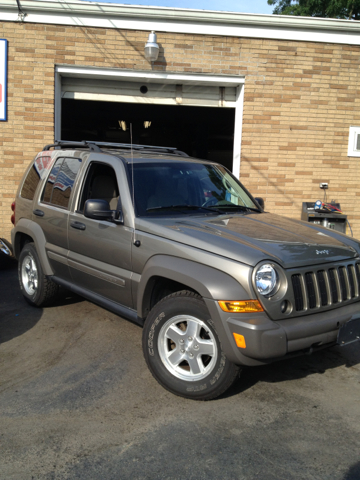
(60,183)
(33,177)
(100,184)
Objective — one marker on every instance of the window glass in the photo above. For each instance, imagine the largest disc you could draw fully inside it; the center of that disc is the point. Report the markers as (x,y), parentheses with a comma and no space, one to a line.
(51,180)
(162,188)
(354,142)
(100,184)
(33,177)
(61,181)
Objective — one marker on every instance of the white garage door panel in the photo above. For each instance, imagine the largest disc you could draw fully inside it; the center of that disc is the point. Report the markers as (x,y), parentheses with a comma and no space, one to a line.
(165,94)
(150,101)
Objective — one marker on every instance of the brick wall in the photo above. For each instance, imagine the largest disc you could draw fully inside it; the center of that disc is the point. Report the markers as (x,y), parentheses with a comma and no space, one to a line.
(300,99)
(296,125)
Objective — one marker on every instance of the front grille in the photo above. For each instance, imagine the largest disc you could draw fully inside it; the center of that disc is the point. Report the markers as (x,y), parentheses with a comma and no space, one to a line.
(322,288)
(352,280)
(299,299)
(333,286)
(310,287)
(343,285)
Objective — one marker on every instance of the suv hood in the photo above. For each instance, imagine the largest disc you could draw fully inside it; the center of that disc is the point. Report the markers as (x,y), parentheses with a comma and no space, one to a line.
(251,238)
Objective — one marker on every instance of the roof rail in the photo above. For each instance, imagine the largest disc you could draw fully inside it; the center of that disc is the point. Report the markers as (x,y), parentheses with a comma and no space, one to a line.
(95,146)
(65,144)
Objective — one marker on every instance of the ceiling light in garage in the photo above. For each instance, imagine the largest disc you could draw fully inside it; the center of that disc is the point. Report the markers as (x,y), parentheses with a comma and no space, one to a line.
(151,48)
(122,124)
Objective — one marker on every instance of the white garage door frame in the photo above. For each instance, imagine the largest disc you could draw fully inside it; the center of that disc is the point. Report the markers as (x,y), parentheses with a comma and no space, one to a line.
(144,77)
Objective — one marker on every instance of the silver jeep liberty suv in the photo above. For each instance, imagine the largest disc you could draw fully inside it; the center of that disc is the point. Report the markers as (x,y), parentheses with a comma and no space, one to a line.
(180,247)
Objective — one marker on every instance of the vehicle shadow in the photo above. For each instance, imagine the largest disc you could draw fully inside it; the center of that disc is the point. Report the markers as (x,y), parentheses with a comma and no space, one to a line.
(297,368)
(353,473)
(16,315)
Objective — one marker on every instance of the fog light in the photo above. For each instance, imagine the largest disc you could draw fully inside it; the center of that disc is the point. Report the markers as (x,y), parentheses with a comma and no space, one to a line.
(240,340)
(243,306)
(285,307)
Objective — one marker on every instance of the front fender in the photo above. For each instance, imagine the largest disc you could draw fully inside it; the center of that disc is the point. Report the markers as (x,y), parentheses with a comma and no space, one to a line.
(210,283)
(207,281)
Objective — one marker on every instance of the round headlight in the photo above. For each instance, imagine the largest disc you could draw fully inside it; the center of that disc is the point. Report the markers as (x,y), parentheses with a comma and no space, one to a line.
(266,280)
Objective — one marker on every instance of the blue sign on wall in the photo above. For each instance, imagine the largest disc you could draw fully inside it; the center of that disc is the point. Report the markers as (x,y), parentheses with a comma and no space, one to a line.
(3,79)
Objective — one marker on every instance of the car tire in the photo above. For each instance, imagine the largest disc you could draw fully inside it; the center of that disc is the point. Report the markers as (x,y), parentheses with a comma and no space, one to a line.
(37,289)
(183,351)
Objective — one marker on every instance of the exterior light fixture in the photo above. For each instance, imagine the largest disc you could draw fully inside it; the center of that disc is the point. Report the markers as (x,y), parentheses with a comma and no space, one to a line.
(147,124)
(151,48)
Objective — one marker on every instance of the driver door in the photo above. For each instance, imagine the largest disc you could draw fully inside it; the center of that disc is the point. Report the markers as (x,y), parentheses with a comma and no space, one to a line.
(100,250)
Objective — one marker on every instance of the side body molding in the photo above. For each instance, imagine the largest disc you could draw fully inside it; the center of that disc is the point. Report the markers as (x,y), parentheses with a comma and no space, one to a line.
(34,231)
(209,282)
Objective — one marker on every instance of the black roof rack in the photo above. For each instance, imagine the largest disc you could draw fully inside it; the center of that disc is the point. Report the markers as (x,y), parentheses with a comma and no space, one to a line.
(65,144)
(95,146)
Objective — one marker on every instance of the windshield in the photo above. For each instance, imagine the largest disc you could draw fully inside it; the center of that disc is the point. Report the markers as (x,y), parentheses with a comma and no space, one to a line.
(168,188)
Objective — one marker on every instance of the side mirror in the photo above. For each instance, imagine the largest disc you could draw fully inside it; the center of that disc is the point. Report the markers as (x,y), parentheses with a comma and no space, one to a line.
(261,202)
(100,210)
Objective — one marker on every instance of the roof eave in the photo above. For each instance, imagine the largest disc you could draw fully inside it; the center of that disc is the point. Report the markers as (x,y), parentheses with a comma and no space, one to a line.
(75,8)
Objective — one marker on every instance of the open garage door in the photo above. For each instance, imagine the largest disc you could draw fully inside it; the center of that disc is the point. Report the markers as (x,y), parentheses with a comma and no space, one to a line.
(203,133)
(192,114)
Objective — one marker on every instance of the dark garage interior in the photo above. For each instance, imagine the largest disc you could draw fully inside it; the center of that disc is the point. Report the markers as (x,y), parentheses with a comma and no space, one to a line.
(203,132)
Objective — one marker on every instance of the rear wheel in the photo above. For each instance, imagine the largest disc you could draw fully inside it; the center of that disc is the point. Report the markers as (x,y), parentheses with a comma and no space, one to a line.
(37,289)
(183,351)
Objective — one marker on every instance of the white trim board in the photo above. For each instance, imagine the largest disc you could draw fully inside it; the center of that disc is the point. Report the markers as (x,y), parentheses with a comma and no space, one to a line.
(162,19)
(146,76)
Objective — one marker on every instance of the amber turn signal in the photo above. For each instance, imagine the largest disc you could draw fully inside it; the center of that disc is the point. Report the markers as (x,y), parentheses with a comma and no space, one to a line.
(240,340)
(243,306)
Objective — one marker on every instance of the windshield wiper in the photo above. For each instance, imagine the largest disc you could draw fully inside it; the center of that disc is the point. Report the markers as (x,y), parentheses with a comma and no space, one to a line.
(184,207)
(238,207)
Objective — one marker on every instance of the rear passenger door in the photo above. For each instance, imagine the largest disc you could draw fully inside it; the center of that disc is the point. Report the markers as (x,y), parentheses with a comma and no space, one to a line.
(51,211)
(100,250)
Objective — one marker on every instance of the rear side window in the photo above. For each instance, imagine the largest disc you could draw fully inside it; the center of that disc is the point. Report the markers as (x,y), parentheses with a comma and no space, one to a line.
(33,177)
(60,183)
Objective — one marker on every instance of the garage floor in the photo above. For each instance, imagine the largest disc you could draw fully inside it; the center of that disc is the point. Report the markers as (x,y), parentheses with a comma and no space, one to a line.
(77,402)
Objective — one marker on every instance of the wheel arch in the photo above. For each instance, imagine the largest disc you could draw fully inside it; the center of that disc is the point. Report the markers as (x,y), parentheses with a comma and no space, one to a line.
(20,240)
(206,281)
(27,230)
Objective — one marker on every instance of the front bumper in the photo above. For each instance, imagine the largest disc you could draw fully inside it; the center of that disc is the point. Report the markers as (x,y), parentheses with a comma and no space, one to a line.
(268,341)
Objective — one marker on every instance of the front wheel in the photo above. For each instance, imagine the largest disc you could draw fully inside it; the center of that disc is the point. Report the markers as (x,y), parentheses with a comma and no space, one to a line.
(183,351)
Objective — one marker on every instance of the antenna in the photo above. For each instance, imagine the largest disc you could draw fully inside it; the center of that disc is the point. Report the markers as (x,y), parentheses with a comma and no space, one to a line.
(136,242)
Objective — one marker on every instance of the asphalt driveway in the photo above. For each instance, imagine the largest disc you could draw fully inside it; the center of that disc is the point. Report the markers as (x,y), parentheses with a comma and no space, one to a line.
(77,402)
